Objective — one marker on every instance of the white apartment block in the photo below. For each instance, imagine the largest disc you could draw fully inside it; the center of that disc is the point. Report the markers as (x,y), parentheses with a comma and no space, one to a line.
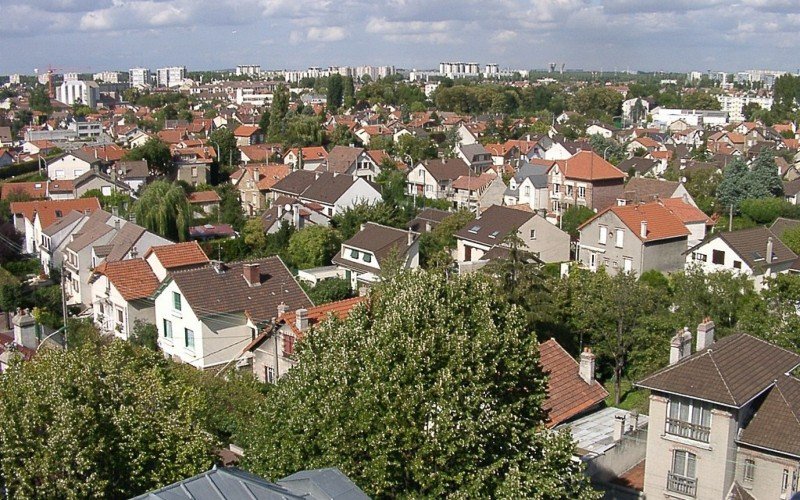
(71,77)
(78,91)
(139,77)
(170,77)
(734,103)
(459,69)
(106,76)
(248,69)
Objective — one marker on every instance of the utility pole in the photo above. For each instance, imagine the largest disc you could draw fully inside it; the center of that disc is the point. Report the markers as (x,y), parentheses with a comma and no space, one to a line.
(730,219)
(64,302)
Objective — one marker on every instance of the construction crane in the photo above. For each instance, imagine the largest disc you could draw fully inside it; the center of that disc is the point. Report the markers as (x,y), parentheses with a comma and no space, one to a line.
(51,71)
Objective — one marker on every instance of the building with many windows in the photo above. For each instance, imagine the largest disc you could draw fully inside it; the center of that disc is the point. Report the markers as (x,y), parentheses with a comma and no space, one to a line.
(724,421)
(139,77)
(170,77)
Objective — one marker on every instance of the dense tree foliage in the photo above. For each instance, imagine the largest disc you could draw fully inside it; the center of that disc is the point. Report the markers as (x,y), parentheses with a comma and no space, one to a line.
(433,389)
(739,182)
(164,209)
(225,141)
(328,290)
(98,421)
(156,153)
(312,246)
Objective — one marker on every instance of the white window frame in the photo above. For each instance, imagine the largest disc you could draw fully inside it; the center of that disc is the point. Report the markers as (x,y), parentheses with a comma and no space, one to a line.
(619,238)
(167,329)
(627,264)
(749,470)
(603,238)
(689,469)
(188,334)
(581,191)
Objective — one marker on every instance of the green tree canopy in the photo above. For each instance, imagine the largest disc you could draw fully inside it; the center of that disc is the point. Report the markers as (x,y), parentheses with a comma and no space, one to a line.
(312,246)
(98,421)
(277,113)
(228,151)
(433,389)
(156,153)
(164,209)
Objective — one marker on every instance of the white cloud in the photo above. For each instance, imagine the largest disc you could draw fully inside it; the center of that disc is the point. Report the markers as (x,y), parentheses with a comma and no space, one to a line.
(326,34)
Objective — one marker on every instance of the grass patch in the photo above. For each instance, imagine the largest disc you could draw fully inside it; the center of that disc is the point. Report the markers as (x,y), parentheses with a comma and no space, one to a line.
(632,398)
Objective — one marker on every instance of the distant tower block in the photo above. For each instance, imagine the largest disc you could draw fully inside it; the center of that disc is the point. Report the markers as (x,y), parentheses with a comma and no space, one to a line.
(562,67)
(552,67)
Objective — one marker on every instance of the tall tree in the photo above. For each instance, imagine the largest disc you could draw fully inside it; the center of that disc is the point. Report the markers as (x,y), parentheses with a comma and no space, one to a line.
(224,139)
(764,178)
(157,154)
(277,113)
(434,389)
(349,99)
(312,246)
(335,92)
(734,185)
(164,209)
(98,422)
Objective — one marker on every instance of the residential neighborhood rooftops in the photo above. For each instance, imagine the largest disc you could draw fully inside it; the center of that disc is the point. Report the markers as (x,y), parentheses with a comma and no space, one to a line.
(245,130)
(133,278)
(209,196)
(338,309)
(380,239)
(567,393)
(473,182)
(494,224)
(340,158)
(751,245)
(34,190)
(178,255)
(782,225)
(730,372)
(447,168)
(588,165)
(643,189)
(222,288)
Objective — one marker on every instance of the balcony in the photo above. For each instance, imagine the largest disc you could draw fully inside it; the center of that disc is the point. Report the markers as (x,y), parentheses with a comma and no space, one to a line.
(687,430)
(682,485)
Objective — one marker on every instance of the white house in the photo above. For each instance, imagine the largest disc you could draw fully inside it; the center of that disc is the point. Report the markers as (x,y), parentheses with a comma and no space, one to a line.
(363,256)
(70,166)
(434,178)
(334,193)
(757,253)
(209,330)
(121,293)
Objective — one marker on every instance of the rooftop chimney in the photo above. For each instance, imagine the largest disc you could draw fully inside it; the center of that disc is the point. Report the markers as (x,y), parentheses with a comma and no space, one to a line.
(769,250)
(705,334)
(410,237)
(25,329)
(363,226)
(680,346)
(301,319)
(252,274)
(619,427)
(282,309)
(218,266)
(643,229)
(586,369)
(116,223)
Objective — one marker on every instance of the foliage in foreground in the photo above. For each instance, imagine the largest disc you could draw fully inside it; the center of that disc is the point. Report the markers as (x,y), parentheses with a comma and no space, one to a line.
(434,389)
(98,421)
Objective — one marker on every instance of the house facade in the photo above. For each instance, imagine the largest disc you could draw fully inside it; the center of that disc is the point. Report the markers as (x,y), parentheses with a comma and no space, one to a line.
(585,179)
(363,257)
(121,293)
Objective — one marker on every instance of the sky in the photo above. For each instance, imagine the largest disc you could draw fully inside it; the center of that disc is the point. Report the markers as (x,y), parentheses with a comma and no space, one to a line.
(607,35)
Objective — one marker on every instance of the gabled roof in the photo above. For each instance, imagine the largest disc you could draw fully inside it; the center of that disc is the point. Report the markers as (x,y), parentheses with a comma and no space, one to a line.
(381,240)
(686,212)
(178,255)
(96,226)
(245,130)
(730,372)
(446,168)
(133,278)
(210,292)
(338,309)
(69,219)
(35,190)
(296,182)
(776,423)
(329,187)
(662,223)
(751,245)
(226,483)
(536,173)
(783,224)
(589,166)
(310,153)
(209,196)
(494,224)
(643,189)
(474,182)
(125,241)
(567,393)
(50,211)
(340,158)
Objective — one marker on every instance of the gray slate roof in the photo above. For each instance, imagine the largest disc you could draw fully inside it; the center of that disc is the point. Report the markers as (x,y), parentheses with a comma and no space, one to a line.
(536,173)
(494,224)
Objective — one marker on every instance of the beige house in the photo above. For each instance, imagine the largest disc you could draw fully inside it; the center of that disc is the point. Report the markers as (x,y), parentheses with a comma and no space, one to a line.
(724,421)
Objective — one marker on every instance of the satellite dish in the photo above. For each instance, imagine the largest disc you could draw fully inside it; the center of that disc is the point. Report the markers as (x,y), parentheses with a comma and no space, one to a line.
(287,208)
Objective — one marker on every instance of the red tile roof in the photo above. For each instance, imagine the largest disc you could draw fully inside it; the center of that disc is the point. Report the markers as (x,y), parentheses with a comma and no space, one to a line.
(179,255)
(133,278)
(204,197)
(567,393)
(473,182)
(588,165)
(271,174)
(35,190)
(340,309)
(662,223)
(311,153)
(245,130)
(685,212)
(48,210)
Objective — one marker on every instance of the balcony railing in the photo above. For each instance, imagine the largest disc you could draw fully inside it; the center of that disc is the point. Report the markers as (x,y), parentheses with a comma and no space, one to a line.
(683,485)
(687,430)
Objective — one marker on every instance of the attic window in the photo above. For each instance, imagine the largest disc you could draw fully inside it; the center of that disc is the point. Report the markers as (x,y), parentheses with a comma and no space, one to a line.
(59,213)
(494,234)
(354,254)
(474,229)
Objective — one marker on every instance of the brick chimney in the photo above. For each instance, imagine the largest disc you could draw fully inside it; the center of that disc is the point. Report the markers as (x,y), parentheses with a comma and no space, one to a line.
(643,229)
(586,368)
(252,274)
(301,319)
(282,309)
(619,427)
(410,237)
(680,346)
(705,334)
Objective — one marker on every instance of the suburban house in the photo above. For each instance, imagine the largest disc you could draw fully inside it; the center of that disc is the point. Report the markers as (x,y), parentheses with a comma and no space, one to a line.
(633,238)
(204,202)
(470,192)
(209,330)
(351,161)
(71,165)
(585,179)
(193,172)
(489,231)
(724,421)
(529,187)
(33,217)
(434,178)
(55,238)
(309,158)
(333,192)
(35,190)
(103,237)
(476,156)
(643,190)
(295,213)
(253,180)
(121,293)
(363,257)
(272,353)
(134,173)
(247,135)
(756,252)
(165,259)
(93,180)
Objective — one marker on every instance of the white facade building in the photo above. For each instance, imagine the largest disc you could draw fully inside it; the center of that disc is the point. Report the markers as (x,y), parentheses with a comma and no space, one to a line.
(734,103)
(78,91)
(170,77)
(139,77)
(248,69)
(106,76)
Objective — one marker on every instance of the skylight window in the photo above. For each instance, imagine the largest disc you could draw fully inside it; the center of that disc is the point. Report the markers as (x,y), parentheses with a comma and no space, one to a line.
(494,234)
(474,229)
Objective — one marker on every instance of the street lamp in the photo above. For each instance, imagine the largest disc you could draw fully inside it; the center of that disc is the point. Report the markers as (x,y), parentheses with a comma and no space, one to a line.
(606,150)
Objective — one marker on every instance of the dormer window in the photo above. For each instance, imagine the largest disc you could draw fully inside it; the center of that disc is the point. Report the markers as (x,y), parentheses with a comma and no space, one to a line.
(354,254)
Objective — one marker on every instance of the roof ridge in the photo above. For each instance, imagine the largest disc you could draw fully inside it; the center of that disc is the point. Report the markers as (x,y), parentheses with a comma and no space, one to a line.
(692,357)
(788,405)
(727,388)
(772,345)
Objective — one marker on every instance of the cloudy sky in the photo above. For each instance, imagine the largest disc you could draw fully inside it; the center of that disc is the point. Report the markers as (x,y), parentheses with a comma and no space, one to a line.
(670,35)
